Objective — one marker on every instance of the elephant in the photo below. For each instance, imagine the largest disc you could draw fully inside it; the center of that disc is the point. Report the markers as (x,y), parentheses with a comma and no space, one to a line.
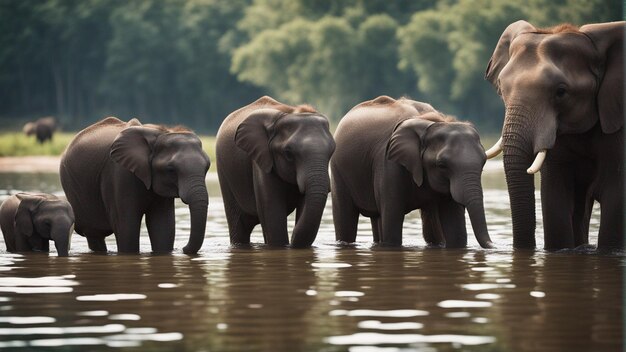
(114,172)
(43,128)
(395,156)
(273,158)
(563,90)
(29,220)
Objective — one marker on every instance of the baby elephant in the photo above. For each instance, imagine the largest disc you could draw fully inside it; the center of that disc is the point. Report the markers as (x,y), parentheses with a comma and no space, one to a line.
(29,220)
(394,156)
(273,158)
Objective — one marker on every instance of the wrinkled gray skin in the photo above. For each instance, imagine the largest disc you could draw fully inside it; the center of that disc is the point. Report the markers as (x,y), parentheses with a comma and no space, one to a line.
(563,92)
(43,128)
(394,156)
(114,172)
(273,158)
(29,220)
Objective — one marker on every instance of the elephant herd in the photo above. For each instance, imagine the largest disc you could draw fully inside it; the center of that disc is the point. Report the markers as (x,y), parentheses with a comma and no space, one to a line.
(563,93)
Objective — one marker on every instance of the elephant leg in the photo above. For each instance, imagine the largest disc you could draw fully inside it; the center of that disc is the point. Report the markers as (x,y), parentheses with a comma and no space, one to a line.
(611,234)
(126,227)
(271,206)
(161,224)
(452,220)
(392,219)
(583,204)
(240,224)
(375,220)
(431,228)
(609,188)
(96,244)
(557,202)
(390,201)
(345,214)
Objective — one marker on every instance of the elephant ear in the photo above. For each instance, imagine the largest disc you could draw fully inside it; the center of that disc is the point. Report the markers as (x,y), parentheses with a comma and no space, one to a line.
(253,136)
(608,38)
(406,145)
(500,56)
(132,148)
(24,214)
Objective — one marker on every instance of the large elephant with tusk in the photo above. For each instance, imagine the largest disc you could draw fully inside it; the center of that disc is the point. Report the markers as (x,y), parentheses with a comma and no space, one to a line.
(563,90)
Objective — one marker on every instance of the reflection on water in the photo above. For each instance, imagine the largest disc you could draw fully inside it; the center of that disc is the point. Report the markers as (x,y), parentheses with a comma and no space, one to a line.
(328,298)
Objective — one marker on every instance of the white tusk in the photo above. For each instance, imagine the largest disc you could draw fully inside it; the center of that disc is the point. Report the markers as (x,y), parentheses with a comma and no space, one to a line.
(536,166)
(495,150)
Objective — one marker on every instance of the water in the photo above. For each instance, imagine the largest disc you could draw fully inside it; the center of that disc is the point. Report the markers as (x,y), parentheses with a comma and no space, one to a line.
(328,298)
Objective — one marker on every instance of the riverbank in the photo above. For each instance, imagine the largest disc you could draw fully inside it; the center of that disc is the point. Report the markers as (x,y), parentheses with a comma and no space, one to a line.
(29,164)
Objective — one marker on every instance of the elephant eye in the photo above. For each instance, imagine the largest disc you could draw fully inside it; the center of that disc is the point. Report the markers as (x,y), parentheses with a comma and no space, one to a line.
(561,92)
(288,155)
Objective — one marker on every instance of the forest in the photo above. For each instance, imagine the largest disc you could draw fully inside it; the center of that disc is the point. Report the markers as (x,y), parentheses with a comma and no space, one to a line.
(192,62)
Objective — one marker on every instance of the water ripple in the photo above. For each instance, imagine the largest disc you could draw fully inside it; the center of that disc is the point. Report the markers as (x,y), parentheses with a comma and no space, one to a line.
(372,338)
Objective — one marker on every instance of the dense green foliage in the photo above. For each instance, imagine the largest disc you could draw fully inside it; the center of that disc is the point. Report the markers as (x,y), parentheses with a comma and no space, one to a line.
(193,61)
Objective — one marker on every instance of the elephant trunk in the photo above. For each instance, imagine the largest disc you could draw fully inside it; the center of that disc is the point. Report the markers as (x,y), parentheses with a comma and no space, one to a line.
(61,234)
(316,188)
(476,211)
(194,193)
(518,155)
(469,192)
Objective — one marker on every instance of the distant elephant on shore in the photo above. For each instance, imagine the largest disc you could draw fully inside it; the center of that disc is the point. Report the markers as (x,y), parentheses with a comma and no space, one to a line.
(394,156)
(29,220)
(114,172)
(273,158)
(43,128)
(563,89)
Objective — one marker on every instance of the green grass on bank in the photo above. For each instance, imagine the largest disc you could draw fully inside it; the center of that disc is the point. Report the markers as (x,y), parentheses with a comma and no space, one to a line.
(18,144)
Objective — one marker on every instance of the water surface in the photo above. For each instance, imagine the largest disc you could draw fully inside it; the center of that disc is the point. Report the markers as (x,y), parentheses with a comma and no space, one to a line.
(328,298)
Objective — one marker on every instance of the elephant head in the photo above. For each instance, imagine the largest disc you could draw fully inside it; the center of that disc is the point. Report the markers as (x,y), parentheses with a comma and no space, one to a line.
(29,128)
(296,146)
(449,155)
(562,80)
(41,218)
(171,163)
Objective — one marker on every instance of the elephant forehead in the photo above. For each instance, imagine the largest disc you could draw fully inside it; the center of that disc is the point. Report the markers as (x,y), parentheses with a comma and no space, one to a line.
(302,120)
(536,47)
(177,140)
(455,131)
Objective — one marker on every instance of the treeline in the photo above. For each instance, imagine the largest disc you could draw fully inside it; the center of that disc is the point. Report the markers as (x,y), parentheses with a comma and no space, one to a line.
(193,61)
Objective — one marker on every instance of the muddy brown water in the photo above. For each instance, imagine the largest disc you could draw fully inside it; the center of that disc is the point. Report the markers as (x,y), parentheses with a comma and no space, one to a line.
(327,298)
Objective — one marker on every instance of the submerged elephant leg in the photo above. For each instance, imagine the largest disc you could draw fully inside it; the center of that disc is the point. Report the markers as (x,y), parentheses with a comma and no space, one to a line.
(431,227)
(240,225)
(557,202)
(611,234)
(376,230)
(126,229)
(345,214)
(452,220)
(161,224)
(97,244)
(583,204)
(270,203)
